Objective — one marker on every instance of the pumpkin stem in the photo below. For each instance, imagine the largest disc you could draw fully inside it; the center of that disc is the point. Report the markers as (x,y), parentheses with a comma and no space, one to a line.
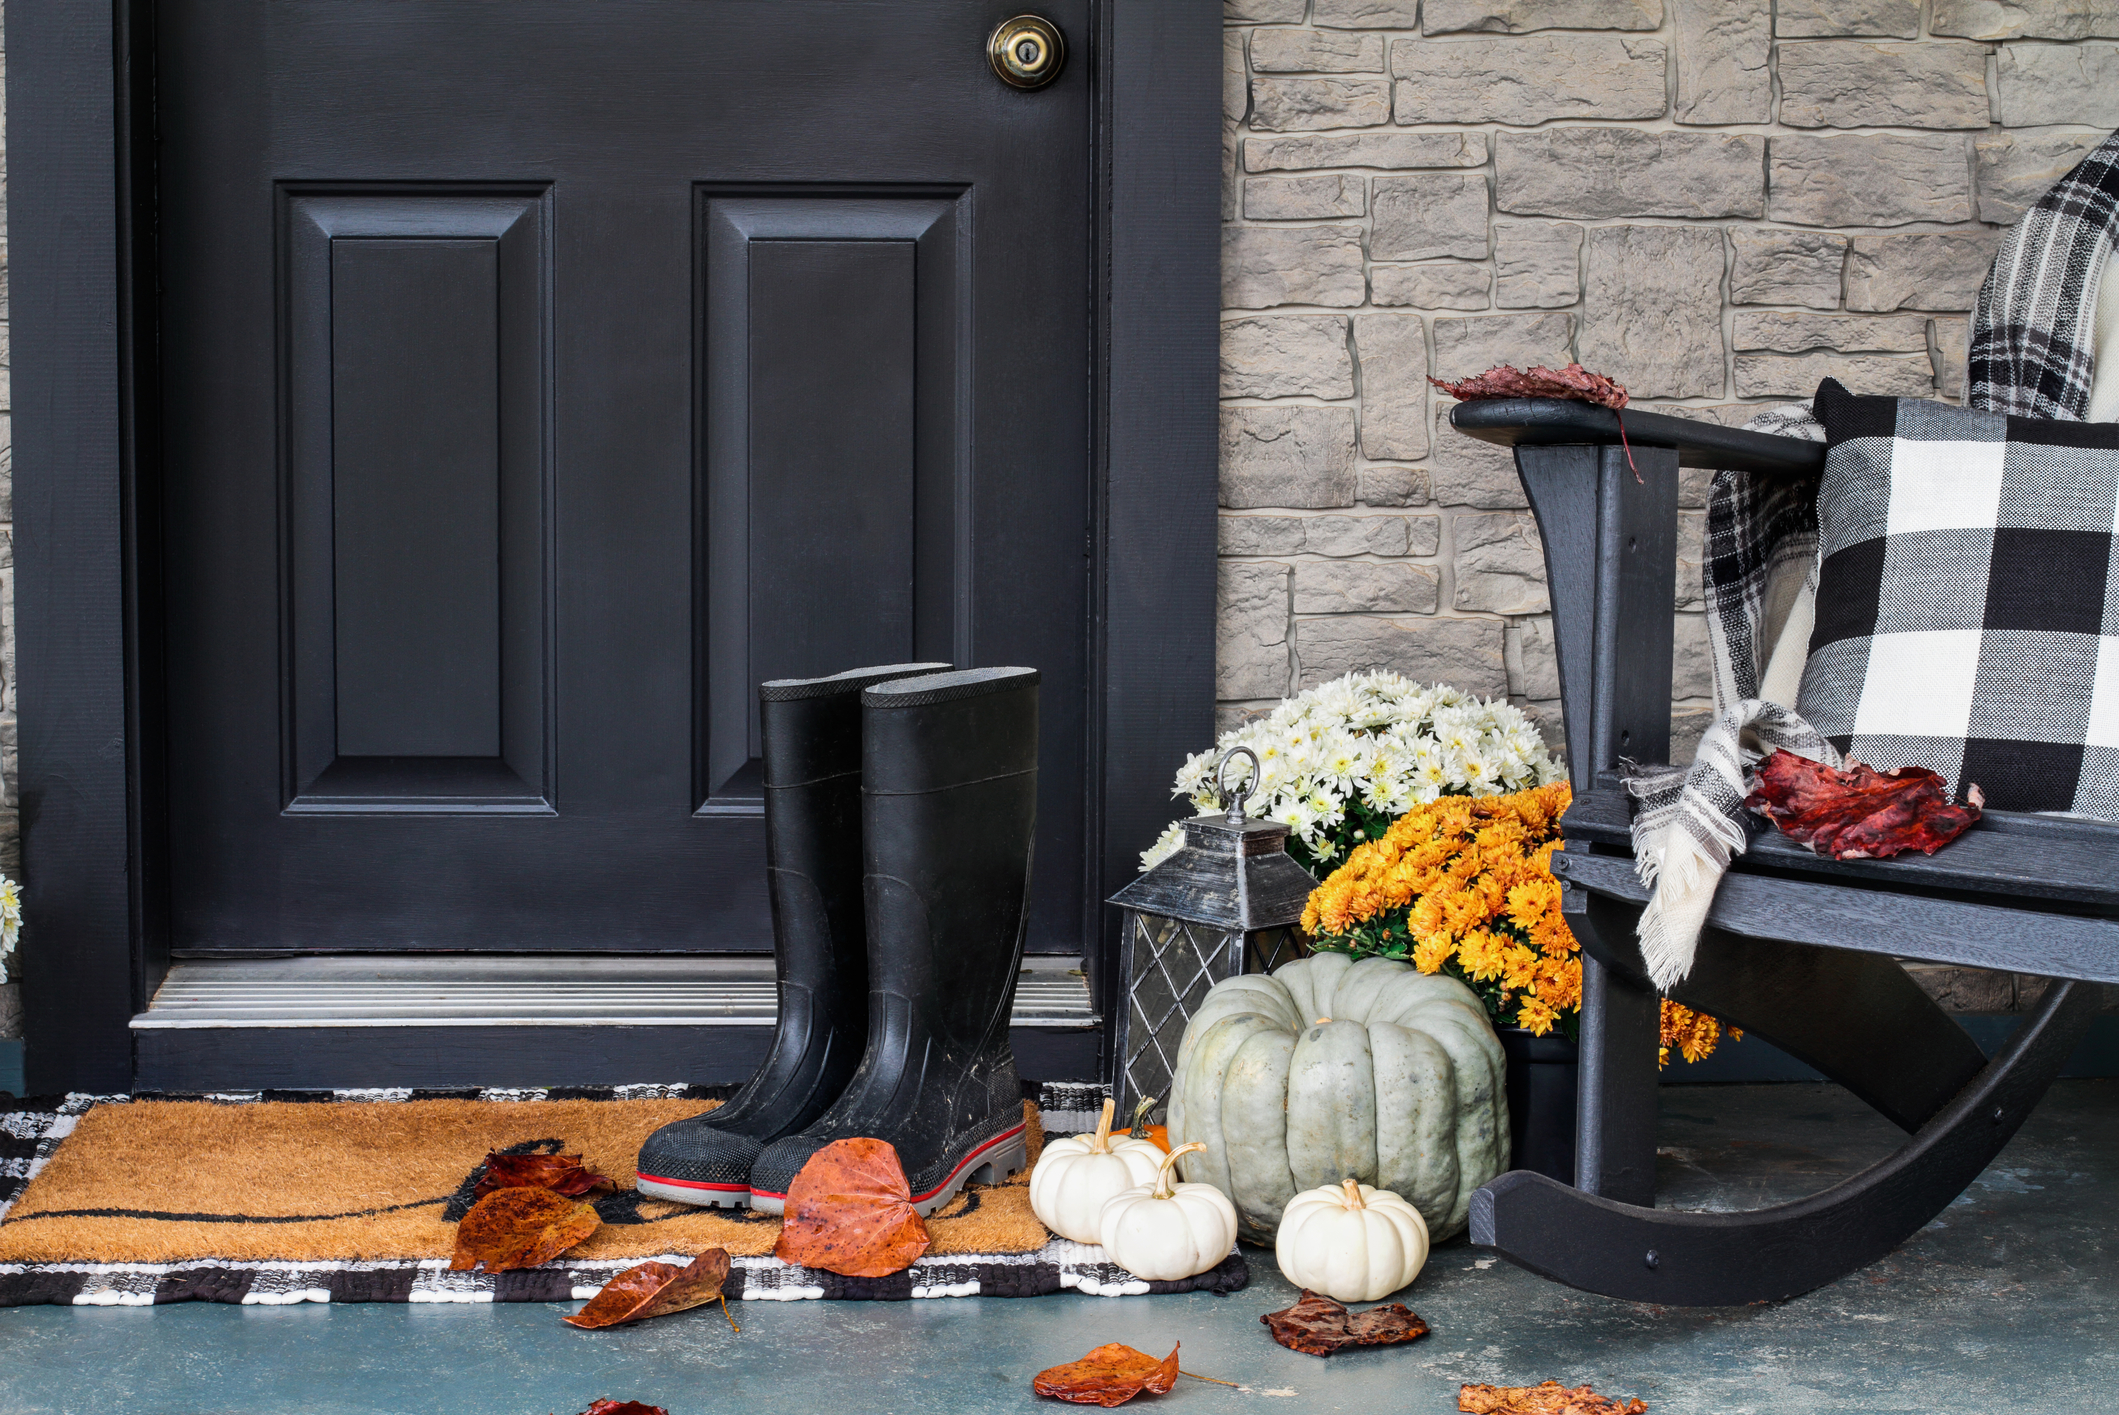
(1140,1117)
(1353,1193)
(1102,1143)
(1162,1170)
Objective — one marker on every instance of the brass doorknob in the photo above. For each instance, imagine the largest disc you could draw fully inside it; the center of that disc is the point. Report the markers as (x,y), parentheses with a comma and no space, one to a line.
(1027,51)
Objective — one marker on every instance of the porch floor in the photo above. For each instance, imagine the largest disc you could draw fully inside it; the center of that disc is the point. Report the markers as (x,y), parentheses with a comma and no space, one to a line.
(2008,1302)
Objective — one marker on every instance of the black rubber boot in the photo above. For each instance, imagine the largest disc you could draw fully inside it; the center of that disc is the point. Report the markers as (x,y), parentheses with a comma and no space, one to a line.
(811,729)
(948,814)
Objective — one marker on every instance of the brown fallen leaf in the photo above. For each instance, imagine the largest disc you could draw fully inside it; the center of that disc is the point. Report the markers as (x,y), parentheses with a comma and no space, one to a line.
(1860,813)
(1109,1375)
(655,1290)
(520,1228)
(1546,1398)
(1318,1326)
(1574,382)
(623,1407)
(562,1174)
(850,1211)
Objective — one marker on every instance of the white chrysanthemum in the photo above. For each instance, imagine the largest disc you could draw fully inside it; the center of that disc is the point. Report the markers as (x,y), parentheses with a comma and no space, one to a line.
(1166,845)
(10,921)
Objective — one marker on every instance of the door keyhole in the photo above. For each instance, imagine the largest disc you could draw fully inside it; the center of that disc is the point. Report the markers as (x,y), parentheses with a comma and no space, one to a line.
(1027,51)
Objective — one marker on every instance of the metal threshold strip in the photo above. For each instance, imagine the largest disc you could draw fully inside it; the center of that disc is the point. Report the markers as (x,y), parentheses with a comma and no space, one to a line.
(572,991)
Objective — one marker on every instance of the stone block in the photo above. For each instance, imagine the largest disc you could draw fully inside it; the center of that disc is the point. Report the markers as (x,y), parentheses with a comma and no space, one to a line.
(2026,19)
(1394,486)
(1263,12)
(1474,344)
(1950,344)
(1692,554)
(1724,49)
(1430,215)
(1386,150)
(1441,285)
(2012,170)
(1533,666)
(1286,356)
(1300,104)
(1594,174)
(1423,535)
(1856,83)
(1366,14)
(1879,179)
(1652,309)
(1464,652)
(1797,376)
(1260,535)
(1691,659)
(1786,268)
(1263,266)
(1235,78)
(1687,726)
(1468,472)
(1537,264)
(1305,198)
(1824,19)
(1250,629)
(1316,51)
(1499,563)
(1393,352)
(2039,84)
(1364,535)
(1287,456)
(1231,189)
(1366,587)
(1777,332)
(1522,16)
(7,468)
(1928,270)
(1527,81)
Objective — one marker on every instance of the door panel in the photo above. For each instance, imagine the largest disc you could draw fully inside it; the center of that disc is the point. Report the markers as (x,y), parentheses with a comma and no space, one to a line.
(539,377)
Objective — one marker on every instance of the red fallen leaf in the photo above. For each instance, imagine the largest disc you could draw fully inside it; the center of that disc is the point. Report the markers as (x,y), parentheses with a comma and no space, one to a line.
(1546,1398)
(623,1407)
(520,1228)
(850,1211)
(1110,1375)
(1860,813)
(1318,1326)
(1506,381)
(562,1174)
(655,1290)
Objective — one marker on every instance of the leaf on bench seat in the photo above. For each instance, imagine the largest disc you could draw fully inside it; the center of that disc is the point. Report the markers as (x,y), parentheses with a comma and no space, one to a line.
(1860,813)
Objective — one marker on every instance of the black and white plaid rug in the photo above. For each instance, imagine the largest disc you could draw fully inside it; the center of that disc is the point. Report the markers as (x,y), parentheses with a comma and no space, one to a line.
(32,1130)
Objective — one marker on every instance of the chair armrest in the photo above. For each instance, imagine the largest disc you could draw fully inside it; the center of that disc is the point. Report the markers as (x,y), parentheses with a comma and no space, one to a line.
(1532,422)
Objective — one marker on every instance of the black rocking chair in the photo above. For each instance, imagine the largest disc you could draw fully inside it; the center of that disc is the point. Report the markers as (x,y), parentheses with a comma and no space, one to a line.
(1798,949)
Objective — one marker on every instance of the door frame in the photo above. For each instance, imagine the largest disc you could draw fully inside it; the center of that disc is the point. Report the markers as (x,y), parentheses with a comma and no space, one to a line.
(80,120)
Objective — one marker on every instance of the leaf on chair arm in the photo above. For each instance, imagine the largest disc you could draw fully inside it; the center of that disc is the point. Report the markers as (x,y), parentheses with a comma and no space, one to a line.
(1574,383)
(850,1212)
(1545,1398)
(655,1290)
(1860,813)
(1110,1375)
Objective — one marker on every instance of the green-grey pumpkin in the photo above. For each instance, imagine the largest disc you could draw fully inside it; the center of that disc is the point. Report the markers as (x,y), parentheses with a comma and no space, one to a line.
(1331,1069)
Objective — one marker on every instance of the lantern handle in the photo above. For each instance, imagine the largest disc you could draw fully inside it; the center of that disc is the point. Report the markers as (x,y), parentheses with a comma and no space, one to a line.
(1234,799)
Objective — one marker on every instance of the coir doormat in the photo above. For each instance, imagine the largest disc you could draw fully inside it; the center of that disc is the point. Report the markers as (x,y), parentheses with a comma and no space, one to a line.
(351,1196)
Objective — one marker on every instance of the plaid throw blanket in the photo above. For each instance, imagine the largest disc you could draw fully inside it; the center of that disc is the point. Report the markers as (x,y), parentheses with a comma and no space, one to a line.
(2030,355)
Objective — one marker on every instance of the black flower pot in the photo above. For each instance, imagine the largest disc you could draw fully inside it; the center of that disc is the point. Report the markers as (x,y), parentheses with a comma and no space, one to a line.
(1542,1073)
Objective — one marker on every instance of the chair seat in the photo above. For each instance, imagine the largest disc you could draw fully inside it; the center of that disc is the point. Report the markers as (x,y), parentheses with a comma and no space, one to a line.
(2009,857)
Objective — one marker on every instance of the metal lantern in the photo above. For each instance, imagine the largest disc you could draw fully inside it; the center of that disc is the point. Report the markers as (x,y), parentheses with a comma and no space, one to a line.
(1228,902)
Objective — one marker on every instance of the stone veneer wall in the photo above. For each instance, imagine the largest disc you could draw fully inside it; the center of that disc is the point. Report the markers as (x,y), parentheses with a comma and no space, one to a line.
(1715,202)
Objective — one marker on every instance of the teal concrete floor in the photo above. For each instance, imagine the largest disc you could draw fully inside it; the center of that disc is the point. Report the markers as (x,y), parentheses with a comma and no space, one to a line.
(2010,1301)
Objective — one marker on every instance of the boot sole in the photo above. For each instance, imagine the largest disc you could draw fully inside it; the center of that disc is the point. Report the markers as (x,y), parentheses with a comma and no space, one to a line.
(995,1162)
(705,1196)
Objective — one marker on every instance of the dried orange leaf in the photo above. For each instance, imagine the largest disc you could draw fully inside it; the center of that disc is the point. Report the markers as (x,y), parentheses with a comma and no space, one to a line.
(1109,1375)
(1860,813)
(655,1290)
(1318,1326)
(850,1211)
(520,1228)
(562,1174)
(1546,1398)
(1507,381)
(623,1407)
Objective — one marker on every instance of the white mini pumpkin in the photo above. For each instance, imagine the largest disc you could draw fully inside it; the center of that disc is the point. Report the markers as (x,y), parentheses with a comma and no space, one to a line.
(1074,1178)
(1163,1233)
(1351,1242)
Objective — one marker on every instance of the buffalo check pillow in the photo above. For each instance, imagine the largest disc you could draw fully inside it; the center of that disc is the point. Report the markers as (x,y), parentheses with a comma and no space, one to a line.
(1968,599)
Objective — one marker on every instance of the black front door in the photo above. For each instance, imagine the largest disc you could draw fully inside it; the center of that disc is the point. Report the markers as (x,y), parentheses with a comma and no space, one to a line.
(538,377)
